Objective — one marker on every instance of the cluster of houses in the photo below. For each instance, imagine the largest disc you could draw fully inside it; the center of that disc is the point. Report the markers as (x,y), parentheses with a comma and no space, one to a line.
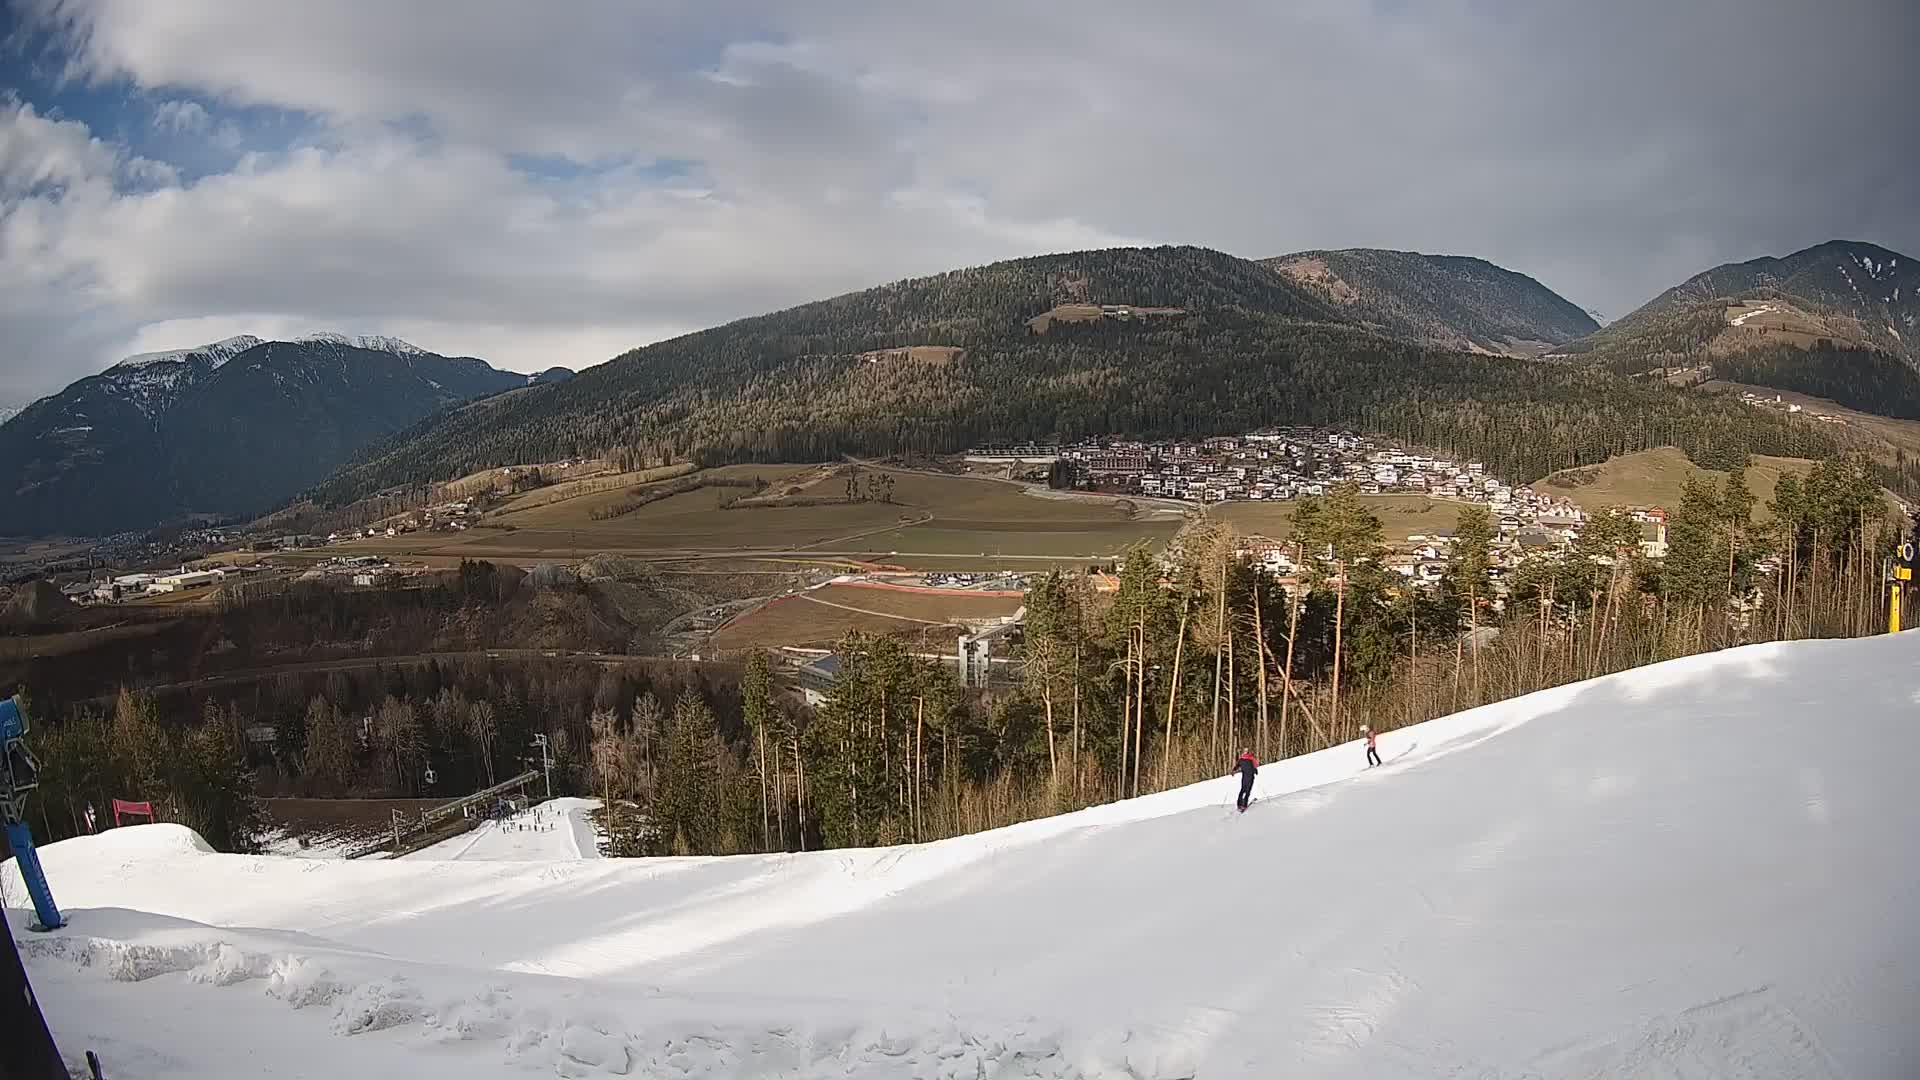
(942,579)
(363,571)
(444,517)
(1288,464)
(1762,401)
(1423,558)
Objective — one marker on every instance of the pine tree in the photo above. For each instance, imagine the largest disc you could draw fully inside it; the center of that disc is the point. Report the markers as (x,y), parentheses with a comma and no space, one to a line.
(327,759)
(756,710)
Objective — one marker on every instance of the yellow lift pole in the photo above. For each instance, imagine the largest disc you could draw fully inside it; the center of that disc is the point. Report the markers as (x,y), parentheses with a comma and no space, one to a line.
(1902,574)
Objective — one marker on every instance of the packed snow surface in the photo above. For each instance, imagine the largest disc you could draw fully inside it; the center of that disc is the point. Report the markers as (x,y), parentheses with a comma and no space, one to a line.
(1707,868)
(555,831)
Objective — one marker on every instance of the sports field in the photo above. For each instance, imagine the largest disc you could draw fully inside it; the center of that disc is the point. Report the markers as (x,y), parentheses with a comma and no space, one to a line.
(927,618)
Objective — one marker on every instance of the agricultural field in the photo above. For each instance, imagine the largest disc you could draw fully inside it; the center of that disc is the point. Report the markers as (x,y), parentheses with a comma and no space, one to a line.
(1654,478)
(1401,516)
(31,551)
(803,510)
(926,618)
(567,490)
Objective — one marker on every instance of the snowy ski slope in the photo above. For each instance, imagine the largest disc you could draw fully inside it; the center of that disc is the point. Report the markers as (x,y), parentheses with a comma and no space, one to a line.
(554,831)
(1708,868)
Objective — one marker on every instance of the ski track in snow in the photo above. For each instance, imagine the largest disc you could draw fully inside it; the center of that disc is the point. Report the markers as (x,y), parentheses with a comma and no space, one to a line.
(1684,872)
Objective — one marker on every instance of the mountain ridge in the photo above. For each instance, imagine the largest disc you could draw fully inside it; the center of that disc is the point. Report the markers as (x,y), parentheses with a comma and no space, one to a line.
(1809,294)
(1145,342)
(1838,320)
(1449,301)
(226,428)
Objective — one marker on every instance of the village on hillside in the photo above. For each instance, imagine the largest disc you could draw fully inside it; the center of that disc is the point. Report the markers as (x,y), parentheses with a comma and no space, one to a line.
(1292,463)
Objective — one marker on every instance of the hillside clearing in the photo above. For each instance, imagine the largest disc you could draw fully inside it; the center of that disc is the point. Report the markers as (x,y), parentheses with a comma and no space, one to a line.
(1654,478)
(1401,516)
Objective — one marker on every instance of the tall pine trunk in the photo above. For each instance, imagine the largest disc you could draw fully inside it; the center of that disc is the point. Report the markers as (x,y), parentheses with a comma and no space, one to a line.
(766,809)
(1140,703)
(1286,671)
(1260,686)
(1219,637)
(1339,626)
(1173,694)
(1126,718)
(1078,792)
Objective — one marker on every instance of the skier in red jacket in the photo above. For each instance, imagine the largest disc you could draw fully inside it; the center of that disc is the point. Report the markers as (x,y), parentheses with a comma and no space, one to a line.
(1247,766)
(1373,751)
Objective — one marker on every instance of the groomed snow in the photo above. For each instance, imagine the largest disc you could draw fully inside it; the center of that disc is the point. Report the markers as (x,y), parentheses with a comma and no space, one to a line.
(554,831)
(1707,868)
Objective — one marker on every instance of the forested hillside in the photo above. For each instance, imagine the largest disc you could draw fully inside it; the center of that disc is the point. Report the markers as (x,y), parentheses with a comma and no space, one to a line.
(1447,301)
(1247,348)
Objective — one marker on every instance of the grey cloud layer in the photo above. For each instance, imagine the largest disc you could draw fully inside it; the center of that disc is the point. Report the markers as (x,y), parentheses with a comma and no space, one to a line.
(1608,149)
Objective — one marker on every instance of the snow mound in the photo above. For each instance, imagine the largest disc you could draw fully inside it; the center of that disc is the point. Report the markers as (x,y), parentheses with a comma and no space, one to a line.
(159,840)
(1683,871)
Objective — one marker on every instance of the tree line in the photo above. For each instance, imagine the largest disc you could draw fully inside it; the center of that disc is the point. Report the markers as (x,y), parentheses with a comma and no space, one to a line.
(1150,685)
(1160,682)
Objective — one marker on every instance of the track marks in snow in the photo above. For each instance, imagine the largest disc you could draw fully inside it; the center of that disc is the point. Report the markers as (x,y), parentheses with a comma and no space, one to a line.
(1750,1035)
(631,1038)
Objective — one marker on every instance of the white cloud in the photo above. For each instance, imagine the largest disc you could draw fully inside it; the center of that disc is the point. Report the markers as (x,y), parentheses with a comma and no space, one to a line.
(39,152)
(181,117)
(838,144)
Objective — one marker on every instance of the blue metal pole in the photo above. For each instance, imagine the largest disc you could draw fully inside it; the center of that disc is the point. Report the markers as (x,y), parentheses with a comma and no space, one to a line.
(28,860)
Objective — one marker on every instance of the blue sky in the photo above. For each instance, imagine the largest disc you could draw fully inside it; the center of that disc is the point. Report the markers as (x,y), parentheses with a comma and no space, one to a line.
(556,184)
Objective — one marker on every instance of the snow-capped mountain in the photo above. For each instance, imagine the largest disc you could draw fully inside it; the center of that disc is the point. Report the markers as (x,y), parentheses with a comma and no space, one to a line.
(1676,871)
(152,381)
(215,354)
(225,428)
(373,342)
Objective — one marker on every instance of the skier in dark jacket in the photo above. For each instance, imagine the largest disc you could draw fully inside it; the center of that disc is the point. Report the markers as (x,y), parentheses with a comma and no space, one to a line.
(1247,767)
